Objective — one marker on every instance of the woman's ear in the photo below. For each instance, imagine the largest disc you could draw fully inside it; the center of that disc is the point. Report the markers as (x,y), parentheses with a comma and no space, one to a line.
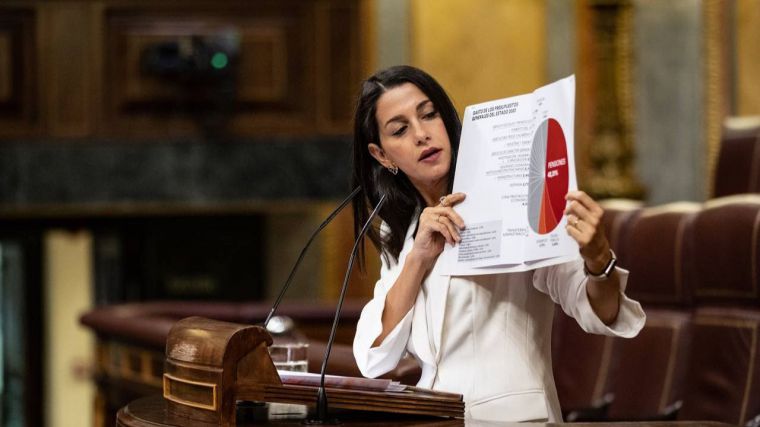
(379,155)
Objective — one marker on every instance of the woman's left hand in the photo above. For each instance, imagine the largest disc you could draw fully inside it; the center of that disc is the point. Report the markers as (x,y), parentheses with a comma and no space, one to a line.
(584,224)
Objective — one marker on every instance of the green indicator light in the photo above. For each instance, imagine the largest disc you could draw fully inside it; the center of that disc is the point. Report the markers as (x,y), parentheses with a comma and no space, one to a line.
(219,60)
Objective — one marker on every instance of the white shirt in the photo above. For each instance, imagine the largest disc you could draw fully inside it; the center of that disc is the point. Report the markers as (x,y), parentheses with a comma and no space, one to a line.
(486,337)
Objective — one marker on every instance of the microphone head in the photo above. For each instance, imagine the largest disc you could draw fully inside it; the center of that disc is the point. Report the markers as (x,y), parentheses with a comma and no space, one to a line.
(279,325)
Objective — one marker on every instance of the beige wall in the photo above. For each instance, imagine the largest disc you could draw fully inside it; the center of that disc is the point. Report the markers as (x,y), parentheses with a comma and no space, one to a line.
(69,347)
(480,50)
(748,57)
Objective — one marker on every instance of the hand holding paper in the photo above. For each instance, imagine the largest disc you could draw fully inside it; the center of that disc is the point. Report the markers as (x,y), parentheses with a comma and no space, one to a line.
(584,224)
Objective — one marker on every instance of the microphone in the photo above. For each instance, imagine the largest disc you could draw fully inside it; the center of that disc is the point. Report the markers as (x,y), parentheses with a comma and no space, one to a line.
(303,252)
(321,396)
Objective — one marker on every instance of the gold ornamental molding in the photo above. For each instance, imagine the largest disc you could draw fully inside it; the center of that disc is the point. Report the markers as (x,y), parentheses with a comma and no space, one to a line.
(715,85)
(610,141)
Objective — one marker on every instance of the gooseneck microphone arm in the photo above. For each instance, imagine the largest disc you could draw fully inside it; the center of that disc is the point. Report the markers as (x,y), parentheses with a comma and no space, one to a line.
(303,252)
(321,396)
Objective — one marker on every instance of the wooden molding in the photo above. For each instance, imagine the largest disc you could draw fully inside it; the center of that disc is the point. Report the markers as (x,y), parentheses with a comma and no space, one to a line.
(18,85)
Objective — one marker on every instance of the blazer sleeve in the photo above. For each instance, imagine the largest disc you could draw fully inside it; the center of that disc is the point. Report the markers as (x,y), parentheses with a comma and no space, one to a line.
(375,361)
(566,285)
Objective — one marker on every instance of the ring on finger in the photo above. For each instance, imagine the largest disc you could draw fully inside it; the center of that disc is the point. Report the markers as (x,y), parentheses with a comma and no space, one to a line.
(443,201)
(575,222)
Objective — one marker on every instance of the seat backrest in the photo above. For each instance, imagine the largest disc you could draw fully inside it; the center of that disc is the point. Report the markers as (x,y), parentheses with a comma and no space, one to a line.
(654,253)
(738,168)
(647,372)
(617,215)
(580,363)
(723,374)
(723,246)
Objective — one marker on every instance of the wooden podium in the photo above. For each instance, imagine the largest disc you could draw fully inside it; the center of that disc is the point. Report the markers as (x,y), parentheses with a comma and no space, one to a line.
(211,365)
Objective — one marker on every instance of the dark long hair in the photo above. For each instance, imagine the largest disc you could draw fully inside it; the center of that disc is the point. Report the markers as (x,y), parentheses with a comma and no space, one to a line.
(402,198)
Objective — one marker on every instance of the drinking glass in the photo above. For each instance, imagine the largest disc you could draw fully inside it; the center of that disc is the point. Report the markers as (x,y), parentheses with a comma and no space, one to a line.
(289,356)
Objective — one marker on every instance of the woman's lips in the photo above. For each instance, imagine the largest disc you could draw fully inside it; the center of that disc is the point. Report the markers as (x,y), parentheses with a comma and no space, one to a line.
(430,155)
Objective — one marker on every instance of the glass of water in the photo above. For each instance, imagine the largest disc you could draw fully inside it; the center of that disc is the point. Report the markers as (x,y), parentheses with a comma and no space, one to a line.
(289,356)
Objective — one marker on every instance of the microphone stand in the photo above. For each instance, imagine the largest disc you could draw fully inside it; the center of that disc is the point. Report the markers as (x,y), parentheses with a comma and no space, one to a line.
(321,396)
(303,252)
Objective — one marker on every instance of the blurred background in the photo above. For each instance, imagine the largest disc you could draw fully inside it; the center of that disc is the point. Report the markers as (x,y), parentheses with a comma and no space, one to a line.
(166,150)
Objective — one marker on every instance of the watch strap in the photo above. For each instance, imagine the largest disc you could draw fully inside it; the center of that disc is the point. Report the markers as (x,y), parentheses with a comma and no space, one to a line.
(606,272)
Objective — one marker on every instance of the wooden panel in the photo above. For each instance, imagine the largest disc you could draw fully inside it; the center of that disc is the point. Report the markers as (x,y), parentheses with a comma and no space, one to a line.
(17,71)
(368,47)
(6,71)
(503,56)
(263,65)
(337,29)
(66,68)
(747,84)
(274,88)
(267,70)
(337,242)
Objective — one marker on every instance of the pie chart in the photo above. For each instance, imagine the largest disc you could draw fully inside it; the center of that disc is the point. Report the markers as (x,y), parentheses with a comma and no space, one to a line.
(548,177)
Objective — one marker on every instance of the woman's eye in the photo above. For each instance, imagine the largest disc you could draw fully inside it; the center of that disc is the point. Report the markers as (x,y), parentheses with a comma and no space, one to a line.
(430,115)
(400,131)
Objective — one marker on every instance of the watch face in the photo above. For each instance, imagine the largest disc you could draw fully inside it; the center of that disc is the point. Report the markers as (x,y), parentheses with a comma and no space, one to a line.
(610,267)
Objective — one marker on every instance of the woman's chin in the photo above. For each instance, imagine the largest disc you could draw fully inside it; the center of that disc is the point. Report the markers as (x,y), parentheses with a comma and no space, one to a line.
(431,180)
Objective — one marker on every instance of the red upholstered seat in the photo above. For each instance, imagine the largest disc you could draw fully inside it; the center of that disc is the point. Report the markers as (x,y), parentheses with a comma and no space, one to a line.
(653,250)
(723,381)
(724,244)
(647,372)
(617,215)
(723,375)
(581,363)
(644,374)
(738,169)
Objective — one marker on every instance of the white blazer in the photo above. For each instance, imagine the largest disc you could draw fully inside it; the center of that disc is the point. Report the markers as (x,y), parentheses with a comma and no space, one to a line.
(487,337)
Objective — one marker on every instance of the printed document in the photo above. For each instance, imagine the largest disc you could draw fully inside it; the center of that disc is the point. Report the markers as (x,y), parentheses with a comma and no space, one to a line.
(515,164)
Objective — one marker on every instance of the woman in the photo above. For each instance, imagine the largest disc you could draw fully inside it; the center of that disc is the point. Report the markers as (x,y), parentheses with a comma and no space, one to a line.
(486,337)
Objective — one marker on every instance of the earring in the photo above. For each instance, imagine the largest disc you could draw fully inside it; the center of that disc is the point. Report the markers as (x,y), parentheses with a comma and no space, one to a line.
(393,169)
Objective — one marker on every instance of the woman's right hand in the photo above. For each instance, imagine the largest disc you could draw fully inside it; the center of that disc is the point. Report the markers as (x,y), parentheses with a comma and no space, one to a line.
(437,225)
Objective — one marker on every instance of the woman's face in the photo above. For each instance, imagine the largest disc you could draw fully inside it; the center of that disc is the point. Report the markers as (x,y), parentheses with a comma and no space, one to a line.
(413,137)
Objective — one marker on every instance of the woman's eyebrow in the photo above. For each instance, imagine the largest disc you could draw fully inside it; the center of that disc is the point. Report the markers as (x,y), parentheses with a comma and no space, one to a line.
(400,117)
(396,118)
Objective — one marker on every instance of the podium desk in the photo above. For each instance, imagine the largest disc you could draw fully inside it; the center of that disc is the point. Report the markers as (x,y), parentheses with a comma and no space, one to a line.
(151,412)
(212,366)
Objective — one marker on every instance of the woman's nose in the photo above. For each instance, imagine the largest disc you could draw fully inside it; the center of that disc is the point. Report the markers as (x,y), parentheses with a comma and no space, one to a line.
(421,136)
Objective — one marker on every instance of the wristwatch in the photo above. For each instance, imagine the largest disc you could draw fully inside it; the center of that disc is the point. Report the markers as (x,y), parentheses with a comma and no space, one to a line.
(606,272)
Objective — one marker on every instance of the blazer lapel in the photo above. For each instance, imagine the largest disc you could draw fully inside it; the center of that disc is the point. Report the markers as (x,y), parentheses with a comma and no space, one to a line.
(420,336)
(438,291)
(424,330)
(440,286)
